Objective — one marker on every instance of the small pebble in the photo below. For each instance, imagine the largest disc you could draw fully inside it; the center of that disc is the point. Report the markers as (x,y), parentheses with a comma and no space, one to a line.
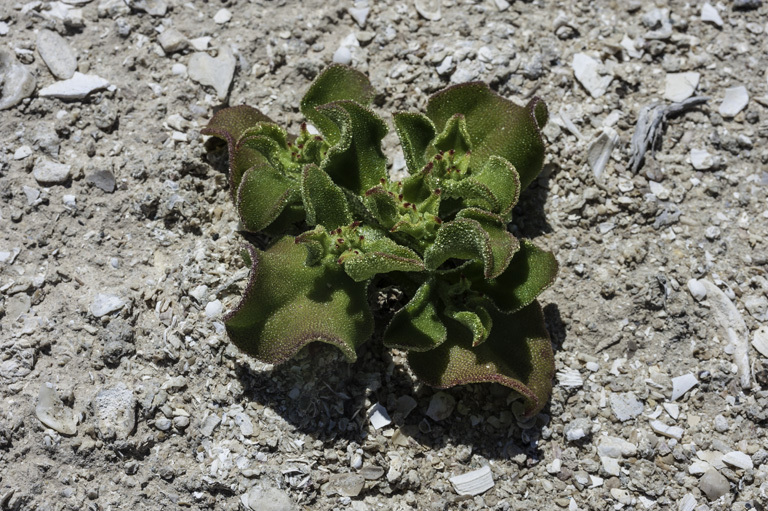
(738,459)
(77,87)
(57,54)
(163,424)
(103,180)
(378,416)
(213,309)
(681,86)
(347,485)
(222,16)
(615,447)
(359,14)
(474,482)
(115,410)
(441,406)
(713,484)
(209,424)
(342,56)
(104,304)
(22,152)
(710,14)
(682,384)
(626,406)
(171,40)
(577,429)
(735,100)
(17,82)
(701,159)
(591,74)
(659,427)
(213,72)
(50,410)
(181,422)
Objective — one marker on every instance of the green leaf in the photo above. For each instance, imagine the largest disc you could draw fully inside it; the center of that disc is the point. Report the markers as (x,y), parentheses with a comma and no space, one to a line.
(417,326)
(382,206)
(454,136)
(496,126)
(335,83)
(501,179)
(271,141)
(381,256)
(263,195)
(517,354)
(229,124)
(324,202)
(530,272)
(287,305)
(470,192)
(478,321)
(416,132)
(474,234)
(356,161)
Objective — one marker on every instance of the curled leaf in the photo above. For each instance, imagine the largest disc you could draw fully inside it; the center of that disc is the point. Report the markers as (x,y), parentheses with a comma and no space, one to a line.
(263,195)
(416,132)
(324,202)
(417,326)
(287,305)
(517,354)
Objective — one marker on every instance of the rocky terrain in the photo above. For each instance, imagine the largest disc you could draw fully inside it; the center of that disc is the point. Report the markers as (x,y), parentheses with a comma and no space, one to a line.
(119,253)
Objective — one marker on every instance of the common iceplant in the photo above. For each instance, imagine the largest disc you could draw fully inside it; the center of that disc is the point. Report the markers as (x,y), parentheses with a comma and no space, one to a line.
(440,235)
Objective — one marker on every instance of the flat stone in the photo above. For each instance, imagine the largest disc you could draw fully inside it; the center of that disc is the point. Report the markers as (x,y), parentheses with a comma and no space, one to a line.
(77,87)
(697,290)
(735,100)
(115,411)
(378,416)
(32,194)
(675,432)
(22,152)
(591,74)
(213,72)
(16,82)
(615,447)
(347,485)
(213,309)
(680,86)
(359,14)
(51,411)
(760,340)
(269,499)
(474,482)
(151,7)
(171,40)
(682,384)
(738,459)
(209,424)
(428,9)
(441,406)
(103,180)
(104,304)
(47,172)
(342,55)
(57,54)
(710,14)
(713,484)
(222,16)
(701,159)
(610,466)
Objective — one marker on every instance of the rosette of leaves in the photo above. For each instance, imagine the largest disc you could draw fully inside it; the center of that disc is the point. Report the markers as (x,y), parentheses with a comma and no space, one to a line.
(440,233)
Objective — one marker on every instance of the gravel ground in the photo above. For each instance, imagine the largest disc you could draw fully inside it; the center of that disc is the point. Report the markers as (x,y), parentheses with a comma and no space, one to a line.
(119,254)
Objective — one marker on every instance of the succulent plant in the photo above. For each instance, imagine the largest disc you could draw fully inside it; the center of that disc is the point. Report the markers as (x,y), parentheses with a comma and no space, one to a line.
(440,234)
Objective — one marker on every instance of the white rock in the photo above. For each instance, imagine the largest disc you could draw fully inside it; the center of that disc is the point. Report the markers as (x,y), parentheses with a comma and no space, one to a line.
(16,82)
(473,483)
(446,66)
(115,411)
(77,87)
(464,73)
(428,9)
(57,54)
(675,432)
(440,406)
(200,43)
(47,172)
(687,503)
(701,159)
(342,56)
(171,40)
(199,293)
(615,447)
(213,309)
(32,194)
(600,149)
(680,86)
(51,411)
(151,7)
(710,14)
(214,72)
(626,406)
(682,384)
(760,340)
(4,28)
(22,152)
(222,16)
(629,46)
(104,304)
(697,289)
(69,200)
(378,416)
(501,5)
(591,74)
(610,466)
(673,409)
(738,459)
(698,467)
(244,423)
(209,424)
(736,98)
(179,69)
(359,14)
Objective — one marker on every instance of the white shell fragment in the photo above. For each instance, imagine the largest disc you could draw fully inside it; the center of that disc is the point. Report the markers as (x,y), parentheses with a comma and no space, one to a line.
(659,427)
(591,74)
(570,378)
(428,9)
(52,412)
(600,149)
(77,87)
(697,289)
(736,98)
(682,384)
(687,503)
(710,14)
(701,159)
(738,459)
(473,483)
(680,86)
(729,318)
(760,340)
(378,416)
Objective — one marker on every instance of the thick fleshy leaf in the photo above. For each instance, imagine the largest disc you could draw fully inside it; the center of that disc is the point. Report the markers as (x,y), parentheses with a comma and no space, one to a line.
(496,126)
(229,124)
(271,141)
(474,235)
(382,256)
(263,195)
(454,136)
(417,326)
(382,206)
(335,83)
(517,353)
(324,202)
(530,272)
(478,321)
(356,161)
(416,133)
(470,192)
(287,305)
(501,179)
